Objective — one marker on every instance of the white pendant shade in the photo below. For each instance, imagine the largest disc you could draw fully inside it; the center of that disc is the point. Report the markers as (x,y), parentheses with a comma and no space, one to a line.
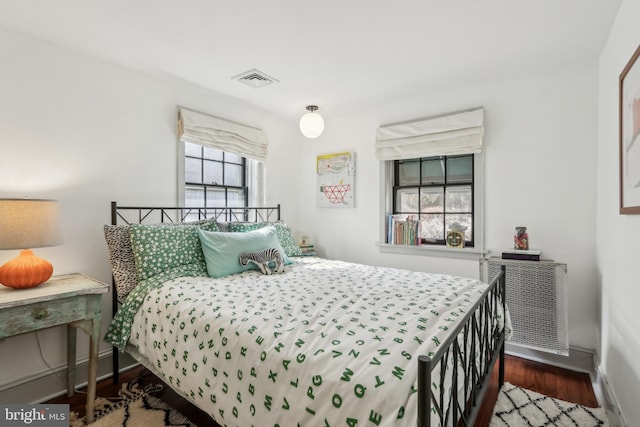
(312,123)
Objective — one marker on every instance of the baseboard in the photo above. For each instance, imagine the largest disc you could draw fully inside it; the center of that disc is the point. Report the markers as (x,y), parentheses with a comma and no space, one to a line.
(607,398)
(50,384)
(579,359)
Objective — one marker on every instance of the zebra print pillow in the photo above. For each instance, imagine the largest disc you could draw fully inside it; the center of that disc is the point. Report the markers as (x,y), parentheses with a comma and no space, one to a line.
(123,266)
(263,260)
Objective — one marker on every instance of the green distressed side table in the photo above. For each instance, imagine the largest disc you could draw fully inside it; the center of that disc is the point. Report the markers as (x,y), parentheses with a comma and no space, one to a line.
(73,300)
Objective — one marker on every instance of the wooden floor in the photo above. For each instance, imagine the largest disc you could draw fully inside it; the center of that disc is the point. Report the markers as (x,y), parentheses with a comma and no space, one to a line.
(552,381)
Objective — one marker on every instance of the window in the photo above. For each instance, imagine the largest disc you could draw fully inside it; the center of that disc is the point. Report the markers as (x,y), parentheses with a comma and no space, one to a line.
(214,178)
(432,172)
(220,162)
(437,192)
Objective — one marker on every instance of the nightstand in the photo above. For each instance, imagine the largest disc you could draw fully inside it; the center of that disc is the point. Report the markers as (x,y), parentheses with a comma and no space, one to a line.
(73,300)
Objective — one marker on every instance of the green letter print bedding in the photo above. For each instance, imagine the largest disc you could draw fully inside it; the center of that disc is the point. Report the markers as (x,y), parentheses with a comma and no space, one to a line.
(327,343)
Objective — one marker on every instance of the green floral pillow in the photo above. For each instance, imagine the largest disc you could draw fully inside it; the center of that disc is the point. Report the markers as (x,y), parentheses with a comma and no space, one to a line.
(158,248)
(285,236)
(243,227)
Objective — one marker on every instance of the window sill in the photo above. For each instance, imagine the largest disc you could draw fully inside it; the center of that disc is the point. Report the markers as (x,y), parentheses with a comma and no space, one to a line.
(439,251)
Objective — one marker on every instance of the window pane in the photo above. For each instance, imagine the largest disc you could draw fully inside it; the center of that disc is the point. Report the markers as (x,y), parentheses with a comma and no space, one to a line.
(407,200)
(212,154)
(233,158)
(459,198)
(432,227)
(233,175)
(459,169)
(235,198)
(194,197)
(208,174)
(433,171)
(193,170)
(192,150)
(212,173)
(462,219)
(409,173)
(432,199)
(216,197)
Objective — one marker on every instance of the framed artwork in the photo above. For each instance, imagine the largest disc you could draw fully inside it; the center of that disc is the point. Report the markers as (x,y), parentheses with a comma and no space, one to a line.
(630,136)
(335,186)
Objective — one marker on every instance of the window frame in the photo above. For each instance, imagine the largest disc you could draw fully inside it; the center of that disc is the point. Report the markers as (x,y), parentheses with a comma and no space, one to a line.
(444,185)
(386,207)
(253,179)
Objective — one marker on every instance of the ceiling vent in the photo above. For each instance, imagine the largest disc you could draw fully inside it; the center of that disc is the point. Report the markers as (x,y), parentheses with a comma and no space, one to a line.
(255,78)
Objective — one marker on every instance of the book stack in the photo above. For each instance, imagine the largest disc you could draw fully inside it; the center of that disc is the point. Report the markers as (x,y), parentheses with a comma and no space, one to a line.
(308,250)
(403,230)
(521,254)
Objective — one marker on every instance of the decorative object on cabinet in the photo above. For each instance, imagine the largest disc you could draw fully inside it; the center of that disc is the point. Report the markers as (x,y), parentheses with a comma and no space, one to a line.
(335,180)
(521,239)
(27,224)
(630,136)
(304,240)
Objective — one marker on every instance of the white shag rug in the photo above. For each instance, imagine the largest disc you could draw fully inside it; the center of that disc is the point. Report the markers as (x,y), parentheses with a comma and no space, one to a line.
(521,407)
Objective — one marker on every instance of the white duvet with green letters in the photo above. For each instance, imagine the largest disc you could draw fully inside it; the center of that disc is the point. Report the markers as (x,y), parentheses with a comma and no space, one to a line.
(326,343)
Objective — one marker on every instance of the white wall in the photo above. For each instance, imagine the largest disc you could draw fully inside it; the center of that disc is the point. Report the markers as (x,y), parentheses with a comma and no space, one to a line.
(539,172)
(617,235)
(86,132)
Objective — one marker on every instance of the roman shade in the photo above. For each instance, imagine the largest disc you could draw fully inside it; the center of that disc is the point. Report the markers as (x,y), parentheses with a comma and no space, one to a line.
(225,135)
(449,134)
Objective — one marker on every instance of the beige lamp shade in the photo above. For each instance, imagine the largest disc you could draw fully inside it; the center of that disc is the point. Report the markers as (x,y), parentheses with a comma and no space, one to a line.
(29,223)
(26,224)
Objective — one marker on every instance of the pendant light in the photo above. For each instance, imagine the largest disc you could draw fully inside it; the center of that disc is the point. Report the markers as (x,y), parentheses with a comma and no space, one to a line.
(312,123)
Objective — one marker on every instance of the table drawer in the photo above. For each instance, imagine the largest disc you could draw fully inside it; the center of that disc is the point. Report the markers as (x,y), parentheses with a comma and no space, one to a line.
(21,319)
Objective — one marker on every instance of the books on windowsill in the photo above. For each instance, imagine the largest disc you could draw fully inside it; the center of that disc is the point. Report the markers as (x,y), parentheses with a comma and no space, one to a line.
(403,230)
(521,254)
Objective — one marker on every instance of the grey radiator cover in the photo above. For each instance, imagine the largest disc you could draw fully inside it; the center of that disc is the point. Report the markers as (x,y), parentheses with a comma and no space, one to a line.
(537,303)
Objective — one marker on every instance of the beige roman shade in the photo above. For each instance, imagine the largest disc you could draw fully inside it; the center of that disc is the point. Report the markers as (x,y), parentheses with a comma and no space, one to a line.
(225,135)
(449,134)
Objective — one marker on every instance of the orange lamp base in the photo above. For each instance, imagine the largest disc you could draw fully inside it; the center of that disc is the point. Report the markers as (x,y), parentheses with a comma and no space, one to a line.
(25,271)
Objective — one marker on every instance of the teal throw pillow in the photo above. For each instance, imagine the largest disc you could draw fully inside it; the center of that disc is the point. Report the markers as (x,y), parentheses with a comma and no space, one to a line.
(222,249)
(285,236)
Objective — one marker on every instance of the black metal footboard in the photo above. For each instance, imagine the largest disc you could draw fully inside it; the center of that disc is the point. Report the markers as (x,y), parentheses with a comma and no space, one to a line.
(453,381)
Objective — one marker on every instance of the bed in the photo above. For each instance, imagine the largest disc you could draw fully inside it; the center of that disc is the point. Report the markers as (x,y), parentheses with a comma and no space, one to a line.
(326,342)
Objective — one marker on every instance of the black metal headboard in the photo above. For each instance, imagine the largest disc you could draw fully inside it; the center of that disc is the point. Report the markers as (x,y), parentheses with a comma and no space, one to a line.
(159,214)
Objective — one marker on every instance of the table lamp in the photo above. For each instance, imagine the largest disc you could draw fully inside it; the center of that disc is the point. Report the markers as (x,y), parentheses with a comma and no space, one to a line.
(26,224)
